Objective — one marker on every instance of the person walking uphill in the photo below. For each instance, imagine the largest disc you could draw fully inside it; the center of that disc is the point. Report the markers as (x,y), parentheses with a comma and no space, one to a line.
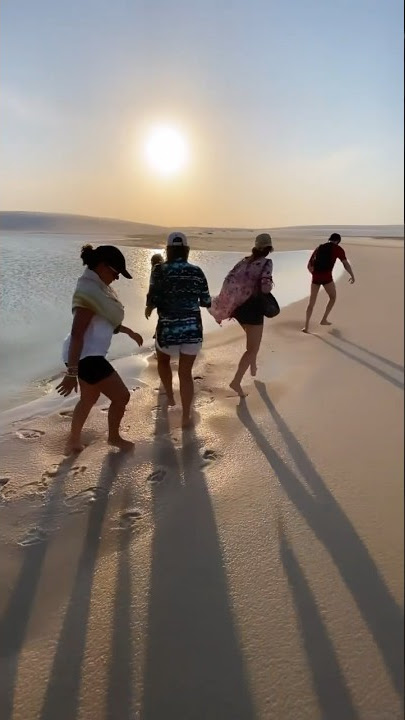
(320,265)
(97,316)
(177,291)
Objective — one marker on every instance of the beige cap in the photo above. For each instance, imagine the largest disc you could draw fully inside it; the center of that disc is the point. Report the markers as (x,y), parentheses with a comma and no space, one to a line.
(263,241)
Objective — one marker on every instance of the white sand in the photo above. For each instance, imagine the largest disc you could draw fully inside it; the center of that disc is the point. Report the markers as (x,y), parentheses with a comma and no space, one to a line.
(252,569)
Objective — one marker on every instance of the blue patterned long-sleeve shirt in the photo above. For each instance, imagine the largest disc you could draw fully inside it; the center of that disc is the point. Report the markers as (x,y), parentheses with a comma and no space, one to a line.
(177,290)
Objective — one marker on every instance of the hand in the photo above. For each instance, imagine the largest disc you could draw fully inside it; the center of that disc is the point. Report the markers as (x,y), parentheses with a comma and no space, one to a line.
(351,280)
(148,312)
(68,384)
(137,338)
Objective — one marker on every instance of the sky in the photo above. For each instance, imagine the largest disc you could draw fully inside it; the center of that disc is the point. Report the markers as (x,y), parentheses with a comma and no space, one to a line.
(291,112)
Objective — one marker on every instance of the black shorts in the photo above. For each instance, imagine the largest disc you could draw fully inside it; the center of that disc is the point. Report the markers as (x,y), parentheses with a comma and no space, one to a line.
(250,312)
(94,369)
(323,282)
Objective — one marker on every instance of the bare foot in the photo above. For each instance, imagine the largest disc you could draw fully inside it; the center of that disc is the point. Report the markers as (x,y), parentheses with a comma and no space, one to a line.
(238,389)
(187,422)
(171,401)
(305,330)
(120,443)
(325,322)
(73,446)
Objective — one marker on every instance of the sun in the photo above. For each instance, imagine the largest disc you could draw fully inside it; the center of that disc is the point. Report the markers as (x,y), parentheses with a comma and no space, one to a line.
(166,150)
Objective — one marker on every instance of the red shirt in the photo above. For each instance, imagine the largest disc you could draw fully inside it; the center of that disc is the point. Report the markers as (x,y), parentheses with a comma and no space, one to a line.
(325,277)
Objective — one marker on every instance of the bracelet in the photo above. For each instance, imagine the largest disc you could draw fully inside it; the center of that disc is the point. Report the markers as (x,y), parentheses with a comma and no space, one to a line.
(71,374)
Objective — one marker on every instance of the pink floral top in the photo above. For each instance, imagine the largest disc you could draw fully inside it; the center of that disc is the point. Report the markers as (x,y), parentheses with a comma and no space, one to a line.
(247,278)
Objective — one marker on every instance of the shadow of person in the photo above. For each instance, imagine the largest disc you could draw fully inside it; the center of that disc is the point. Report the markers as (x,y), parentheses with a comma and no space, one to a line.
(16,617)
(120,691)
(63,692)
(353,356)
(334,697)
(334,530)
(194,667)
(395,366)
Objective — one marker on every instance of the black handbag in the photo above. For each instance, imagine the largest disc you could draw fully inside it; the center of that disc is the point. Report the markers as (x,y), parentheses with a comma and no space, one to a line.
(269,305)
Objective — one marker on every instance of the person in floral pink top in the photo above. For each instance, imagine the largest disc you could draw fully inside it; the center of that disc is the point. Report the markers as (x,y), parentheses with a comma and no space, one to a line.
(240,299)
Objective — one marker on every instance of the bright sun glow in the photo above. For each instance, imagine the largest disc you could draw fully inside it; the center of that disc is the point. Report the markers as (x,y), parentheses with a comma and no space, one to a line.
(166,150)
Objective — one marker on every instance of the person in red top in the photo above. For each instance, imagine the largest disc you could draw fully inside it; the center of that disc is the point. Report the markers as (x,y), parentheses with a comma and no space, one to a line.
(321,264)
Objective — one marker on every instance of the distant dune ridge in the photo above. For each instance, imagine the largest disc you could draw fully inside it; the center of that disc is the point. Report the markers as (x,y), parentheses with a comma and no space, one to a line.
(30,222)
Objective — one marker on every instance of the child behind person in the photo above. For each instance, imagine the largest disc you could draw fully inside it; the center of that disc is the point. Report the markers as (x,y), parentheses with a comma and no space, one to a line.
(156,259)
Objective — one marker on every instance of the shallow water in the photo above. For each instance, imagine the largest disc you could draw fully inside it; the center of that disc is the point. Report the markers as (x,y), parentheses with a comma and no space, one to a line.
(38,275)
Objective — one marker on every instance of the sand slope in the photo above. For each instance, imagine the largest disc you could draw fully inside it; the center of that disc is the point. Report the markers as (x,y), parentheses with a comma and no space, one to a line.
(252,569)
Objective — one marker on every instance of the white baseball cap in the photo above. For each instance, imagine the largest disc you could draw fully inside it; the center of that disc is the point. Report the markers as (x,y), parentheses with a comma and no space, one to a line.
(177,239)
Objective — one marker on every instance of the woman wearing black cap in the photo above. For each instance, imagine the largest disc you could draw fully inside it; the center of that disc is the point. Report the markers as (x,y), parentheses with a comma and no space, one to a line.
(97,315)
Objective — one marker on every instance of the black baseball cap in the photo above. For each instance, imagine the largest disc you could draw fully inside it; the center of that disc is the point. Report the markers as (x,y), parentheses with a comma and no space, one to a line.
(110,255)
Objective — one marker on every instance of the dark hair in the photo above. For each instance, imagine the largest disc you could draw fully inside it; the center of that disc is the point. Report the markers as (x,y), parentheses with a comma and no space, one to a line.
(263,252)
(90,256)
(156,259)
(336,238)
(179,252)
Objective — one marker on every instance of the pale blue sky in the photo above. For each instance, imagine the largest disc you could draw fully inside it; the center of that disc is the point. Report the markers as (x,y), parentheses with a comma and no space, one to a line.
(292,110)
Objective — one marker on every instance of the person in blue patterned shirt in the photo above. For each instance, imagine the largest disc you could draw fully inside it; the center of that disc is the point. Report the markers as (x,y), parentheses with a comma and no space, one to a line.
(177,291)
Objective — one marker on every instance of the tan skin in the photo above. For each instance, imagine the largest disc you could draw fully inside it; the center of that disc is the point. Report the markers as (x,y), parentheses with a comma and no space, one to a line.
(186,381)
(112,387)
(254,334)
(330,290)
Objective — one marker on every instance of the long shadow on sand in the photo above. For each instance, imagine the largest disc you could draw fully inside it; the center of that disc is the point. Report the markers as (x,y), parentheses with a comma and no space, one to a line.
(15,620)
(63,691)
(353,356)
(334,530)
(194,666)
(395,366)
(334,697)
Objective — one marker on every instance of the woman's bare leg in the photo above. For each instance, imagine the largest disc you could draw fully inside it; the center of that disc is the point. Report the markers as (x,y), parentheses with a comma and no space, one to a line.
(330,289)
(117,392)
(186,363)
(254,335)
(312,300)
(165,374)
(89,394)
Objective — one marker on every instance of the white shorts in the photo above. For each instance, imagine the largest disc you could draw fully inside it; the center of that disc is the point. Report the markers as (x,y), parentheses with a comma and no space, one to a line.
(184,349)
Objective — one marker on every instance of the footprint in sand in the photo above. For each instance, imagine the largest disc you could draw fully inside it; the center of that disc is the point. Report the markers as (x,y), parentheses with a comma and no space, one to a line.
(39,487)
(28,434)
(33,537)
(85,497)
(157,476)
(66,413)
(130,518)
(205,397)
(3,483)
(52,472)
(209,456)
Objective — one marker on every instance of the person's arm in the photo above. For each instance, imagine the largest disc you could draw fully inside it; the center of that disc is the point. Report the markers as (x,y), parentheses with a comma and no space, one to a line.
(311,261)
(153,292)
(266,280)
(343,259)
(131,333)
(349,270)
(205,297)
(81,321)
